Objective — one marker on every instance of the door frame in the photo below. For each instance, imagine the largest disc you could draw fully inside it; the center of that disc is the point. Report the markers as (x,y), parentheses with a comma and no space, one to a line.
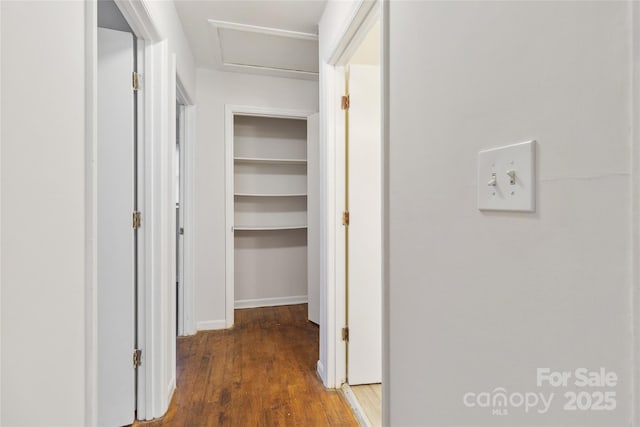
(186,297)
(332,369)
(180,217)
(231,111)
(156,265)
(635,175)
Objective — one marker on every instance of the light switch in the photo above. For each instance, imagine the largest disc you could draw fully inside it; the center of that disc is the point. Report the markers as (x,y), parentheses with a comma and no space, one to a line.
(506,178)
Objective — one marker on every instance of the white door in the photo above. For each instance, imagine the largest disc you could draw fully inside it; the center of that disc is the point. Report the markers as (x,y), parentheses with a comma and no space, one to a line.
(365,227)
(180,203)
(313,218)
(116,373)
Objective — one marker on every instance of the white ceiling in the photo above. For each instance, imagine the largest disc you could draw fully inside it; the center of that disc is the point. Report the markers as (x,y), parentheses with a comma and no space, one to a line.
(271,37)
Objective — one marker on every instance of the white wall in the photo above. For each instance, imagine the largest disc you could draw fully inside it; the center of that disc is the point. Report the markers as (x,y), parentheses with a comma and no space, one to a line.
(480,300)
(214,90)
(270,265)
(43,231)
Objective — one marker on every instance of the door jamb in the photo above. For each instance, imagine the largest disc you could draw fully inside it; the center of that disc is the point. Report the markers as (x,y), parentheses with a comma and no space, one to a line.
(386,283)
(189,152)
(635,175)
(91,211)
(180,216)
(187,299)
(230,112)
(156,276)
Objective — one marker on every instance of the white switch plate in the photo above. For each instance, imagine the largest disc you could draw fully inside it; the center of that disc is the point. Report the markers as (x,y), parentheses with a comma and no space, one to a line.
(505,196)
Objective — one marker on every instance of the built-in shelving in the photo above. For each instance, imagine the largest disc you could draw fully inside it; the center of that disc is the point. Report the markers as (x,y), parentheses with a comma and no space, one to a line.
(259,160)
(269,195)
(270,175)
(287,227)
(269,178)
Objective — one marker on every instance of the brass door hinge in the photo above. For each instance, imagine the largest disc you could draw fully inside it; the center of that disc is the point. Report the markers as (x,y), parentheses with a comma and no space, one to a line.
(346,102)
(345,218)
(135,81)
(136,220)
(345,333)
(137,358)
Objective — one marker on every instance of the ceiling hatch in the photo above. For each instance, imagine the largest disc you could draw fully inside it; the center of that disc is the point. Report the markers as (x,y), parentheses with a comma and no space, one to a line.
(250,48)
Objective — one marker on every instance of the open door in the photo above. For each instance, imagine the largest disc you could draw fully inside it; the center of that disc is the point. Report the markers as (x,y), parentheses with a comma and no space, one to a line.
(180,204)
(364,250)
(116,234)
(313,217)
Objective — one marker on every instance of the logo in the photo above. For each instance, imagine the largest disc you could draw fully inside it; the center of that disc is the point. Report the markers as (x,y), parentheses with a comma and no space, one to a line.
(499,401)
(583,390)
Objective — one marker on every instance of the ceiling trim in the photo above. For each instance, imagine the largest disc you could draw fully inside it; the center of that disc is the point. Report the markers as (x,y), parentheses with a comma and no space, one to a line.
(263,30)
(269,71)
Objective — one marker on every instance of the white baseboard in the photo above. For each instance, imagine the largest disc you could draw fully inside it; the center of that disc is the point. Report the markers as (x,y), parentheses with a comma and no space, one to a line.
(320,371)
(170,391)
(209,325)
(362,418)
(270,302)
(190,328)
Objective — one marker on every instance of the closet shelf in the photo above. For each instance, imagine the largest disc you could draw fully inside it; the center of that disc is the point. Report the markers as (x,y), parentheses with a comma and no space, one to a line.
(270,195)
(259,160)
(267,228)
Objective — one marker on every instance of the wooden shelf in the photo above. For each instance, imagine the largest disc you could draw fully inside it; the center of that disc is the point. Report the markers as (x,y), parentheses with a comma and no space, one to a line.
(259,160)
(266,228)
(269,195)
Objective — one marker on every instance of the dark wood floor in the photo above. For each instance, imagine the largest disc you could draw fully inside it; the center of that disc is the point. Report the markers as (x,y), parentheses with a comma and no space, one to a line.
(260,373)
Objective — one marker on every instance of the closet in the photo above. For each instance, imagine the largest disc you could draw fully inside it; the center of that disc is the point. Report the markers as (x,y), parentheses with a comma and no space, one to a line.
(270,218)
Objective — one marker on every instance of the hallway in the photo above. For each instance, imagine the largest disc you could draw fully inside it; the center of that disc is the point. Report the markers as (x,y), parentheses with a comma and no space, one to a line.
(260,373)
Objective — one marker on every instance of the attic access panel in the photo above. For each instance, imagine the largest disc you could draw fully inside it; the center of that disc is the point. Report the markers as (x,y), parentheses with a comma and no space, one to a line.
(265,48)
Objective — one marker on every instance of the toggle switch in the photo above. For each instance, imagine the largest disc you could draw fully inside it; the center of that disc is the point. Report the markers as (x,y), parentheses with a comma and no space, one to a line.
(507,179)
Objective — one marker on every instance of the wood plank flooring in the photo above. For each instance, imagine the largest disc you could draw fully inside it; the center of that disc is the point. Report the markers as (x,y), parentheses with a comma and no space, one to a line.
(260,373)
(370,399)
